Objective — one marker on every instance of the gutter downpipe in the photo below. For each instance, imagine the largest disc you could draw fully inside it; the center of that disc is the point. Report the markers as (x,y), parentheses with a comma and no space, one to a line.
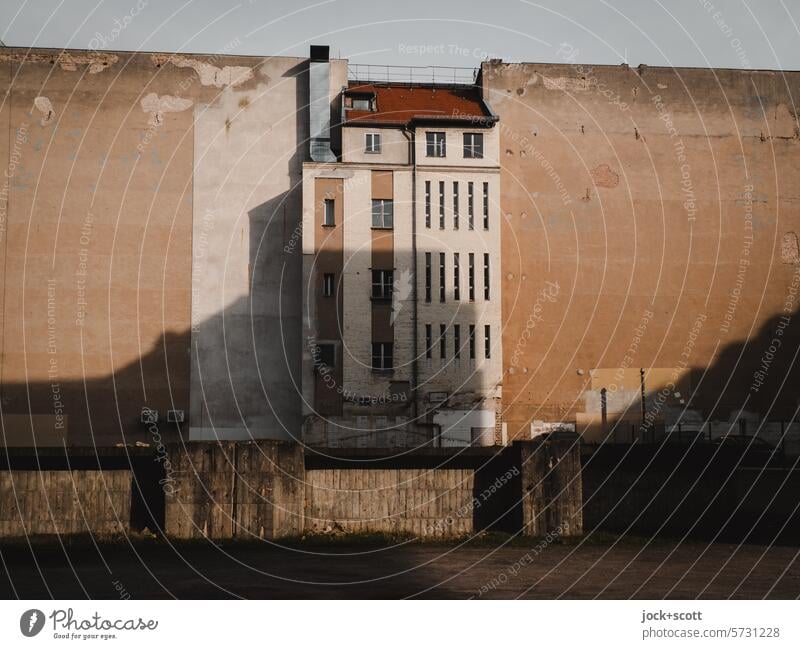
(410,134)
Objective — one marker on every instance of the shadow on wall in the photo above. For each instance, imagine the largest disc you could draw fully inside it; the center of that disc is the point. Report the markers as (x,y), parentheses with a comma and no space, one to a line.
(249,365)
(750,388)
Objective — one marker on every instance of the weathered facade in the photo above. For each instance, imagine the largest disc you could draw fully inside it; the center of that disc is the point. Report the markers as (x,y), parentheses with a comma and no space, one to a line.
(645,260)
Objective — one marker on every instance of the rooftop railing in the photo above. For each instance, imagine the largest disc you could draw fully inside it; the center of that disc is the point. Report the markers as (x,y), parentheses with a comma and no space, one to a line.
(429,74)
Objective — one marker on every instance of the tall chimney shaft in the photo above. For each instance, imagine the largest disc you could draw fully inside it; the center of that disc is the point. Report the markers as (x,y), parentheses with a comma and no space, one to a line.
(319,75)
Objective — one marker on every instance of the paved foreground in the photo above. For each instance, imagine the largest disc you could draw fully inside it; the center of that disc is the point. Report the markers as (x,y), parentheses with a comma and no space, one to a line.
(260,570)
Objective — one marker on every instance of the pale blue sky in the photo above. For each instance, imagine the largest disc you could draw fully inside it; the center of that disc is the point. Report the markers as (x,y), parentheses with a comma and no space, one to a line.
(699,33)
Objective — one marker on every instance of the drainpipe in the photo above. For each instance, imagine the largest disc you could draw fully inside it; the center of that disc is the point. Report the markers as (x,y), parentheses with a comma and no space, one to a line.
(410,135)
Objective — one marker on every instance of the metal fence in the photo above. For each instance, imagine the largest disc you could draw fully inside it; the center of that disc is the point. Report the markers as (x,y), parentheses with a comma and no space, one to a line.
(433,74)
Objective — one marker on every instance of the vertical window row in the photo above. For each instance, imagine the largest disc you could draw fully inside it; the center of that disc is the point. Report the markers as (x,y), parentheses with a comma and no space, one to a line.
(428,204)
(428,279)
(457,345)
(441,277)
(471,205)
(455,206)
(456,277)
(485,206)
(471,279)
(486,276)
(441,205)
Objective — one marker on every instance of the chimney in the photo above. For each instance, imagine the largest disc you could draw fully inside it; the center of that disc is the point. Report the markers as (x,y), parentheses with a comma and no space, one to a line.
(319,81)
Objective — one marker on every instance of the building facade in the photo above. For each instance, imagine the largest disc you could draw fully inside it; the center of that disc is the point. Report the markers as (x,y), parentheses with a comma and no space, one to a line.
(401,243)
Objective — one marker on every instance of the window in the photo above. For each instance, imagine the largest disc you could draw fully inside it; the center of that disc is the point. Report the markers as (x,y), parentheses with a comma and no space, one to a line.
(485,276)
(362,103)
(442,341)
(329,213)
(487,341)
(382,356)
(473,145)
(485,206)
(428,279)
(382,281)
(373,143)
(471,282)
(457,341)
(428,341)
(324,356)
(427,203)
(435,144)
(456,278)
(382,213)
(441,205)
(455,206)
(472,342)
(471,205)
(441,277)
(327,284)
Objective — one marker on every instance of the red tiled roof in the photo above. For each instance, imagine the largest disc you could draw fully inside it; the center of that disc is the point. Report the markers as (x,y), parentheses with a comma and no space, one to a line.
(399,103)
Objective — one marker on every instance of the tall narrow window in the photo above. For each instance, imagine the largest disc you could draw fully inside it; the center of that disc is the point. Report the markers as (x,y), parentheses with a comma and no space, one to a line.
(485,276)
(442,341)
(382,213)
(441,205)
(485,206)
(428,278)
(327,284)
(455,206)
(471,279)
(472,341)
(441,277)
(382,281)
(457,341)
(373,143)
(382,356)
(456,277)
(427,203)
(435,144)
(428,341)
(487,341)
(471,205)
(473,145)
(329,214)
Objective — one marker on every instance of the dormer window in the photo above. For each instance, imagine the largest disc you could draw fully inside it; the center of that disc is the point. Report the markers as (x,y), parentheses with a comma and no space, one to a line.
(360,102)
(372,143)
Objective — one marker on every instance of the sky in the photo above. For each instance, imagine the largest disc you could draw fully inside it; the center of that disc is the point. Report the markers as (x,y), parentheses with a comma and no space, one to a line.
(682,33)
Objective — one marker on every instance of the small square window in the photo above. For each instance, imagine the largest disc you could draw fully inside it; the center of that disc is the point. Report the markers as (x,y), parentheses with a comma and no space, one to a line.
(327,285)
(373,143)
(473,145)
(324,355)
(329,212)
(382,283)
(382,356)
(435,144)
(382,213)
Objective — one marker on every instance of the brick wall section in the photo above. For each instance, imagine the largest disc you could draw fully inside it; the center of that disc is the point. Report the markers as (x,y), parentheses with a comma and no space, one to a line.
(64,502)
(228,489)
(423,502)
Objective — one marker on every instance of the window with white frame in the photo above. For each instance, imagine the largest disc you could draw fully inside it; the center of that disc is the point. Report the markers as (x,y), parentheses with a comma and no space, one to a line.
(382,356)
(435,144)
(473,145)
(372,143)
(382,282)
(329,212)
(382,213)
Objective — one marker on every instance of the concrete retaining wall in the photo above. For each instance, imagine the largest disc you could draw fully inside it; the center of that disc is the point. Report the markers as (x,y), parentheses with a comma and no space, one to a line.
(64,502)
(268,489)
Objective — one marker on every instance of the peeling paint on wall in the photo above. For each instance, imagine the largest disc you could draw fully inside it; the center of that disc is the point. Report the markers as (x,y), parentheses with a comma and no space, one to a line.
(604,176)
(564,83)
(44,106)
(210,75)
(157,106)
(67,61)
(790,250)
